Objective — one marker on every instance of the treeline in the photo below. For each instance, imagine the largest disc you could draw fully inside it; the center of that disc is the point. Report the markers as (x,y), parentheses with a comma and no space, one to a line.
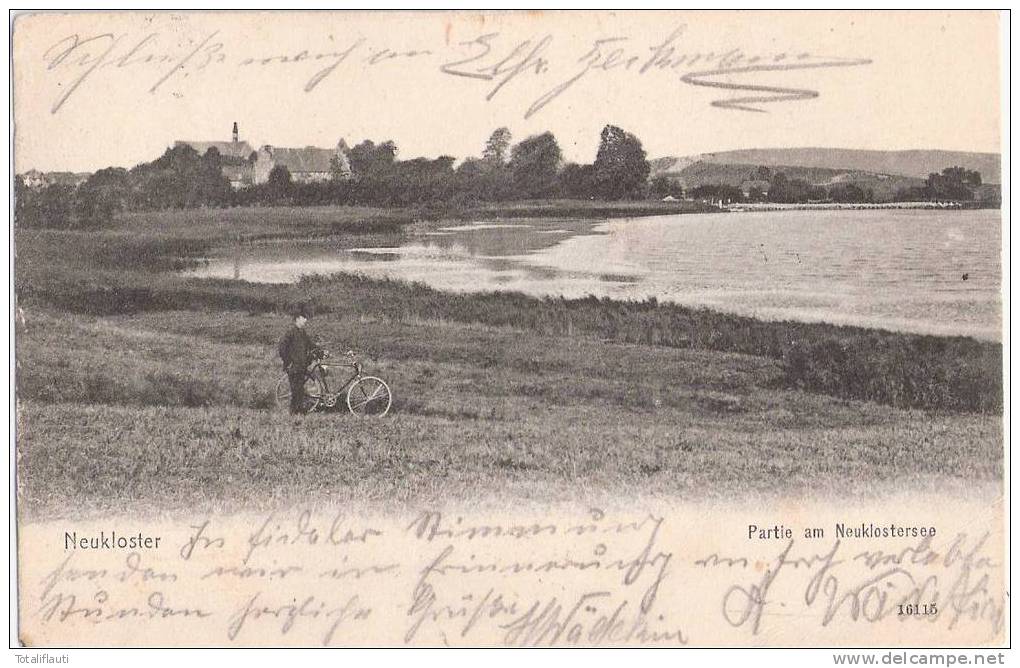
(953,183)
(532,169)
(784,190)
(764,184)
(181,178)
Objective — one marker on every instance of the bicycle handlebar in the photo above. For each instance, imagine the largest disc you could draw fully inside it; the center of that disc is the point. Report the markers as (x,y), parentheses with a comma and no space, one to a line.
(322,353)
(353,361)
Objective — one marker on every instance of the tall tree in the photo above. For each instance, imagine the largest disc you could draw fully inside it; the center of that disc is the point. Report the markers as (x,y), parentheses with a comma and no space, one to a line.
(534,164)
(102,195)
(788,191)
(22,198)
(497,148)
(575,181)
(663,186)
(175,179)
(847,192)
(279,184)
(51,206)
(621,166)
(213,186)
(370,158)
(953,183)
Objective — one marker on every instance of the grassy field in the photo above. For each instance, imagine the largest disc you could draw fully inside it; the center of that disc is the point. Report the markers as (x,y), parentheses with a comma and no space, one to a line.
(210,225)
(318,221)
(139,386)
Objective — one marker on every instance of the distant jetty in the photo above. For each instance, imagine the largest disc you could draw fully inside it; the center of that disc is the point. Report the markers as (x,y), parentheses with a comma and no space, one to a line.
(826,206)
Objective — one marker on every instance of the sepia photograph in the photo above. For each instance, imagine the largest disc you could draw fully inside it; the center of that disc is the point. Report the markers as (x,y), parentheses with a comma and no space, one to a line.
(510,329)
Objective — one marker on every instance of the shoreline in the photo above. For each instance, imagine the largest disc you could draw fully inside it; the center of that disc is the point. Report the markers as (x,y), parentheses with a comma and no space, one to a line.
(169,381)
(754,207)
(136,271)
(778,315)
(213,266)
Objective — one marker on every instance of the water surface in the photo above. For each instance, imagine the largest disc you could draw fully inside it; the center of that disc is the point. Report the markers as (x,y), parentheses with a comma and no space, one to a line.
(910,270)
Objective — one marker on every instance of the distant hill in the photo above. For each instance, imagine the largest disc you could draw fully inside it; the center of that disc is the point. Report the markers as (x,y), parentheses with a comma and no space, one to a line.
(699,173)
(915,163)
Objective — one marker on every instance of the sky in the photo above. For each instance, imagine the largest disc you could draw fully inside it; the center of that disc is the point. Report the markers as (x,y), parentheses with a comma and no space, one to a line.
(97,89)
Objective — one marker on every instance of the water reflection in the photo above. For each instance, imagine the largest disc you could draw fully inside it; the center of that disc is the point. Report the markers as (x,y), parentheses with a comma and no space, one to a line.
(373,255)
(893,269)
(619,278)
(487,240)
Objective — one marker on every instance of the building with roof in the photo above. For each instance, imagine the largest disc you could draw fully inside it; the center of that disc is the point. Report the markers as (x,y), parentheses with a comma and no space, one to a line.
(240,175)
(306,165)
(233,150)
(236,157)
(36,180)
(243,166)
(755,186)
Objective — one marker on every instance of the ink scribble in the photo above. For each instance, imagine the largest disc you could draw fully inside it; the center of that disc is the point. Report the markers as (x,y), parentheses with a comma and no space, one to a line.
(770,93)
(499,61)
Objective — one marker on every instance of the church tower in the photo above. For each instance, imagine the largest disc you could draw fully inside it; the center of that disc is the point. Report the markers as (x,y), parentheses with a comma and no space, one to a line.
(235,132)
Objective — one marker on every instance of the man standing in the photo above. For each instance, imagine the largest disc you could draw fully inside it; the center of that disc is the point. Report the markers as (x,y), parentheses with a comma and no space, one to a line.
(297,350)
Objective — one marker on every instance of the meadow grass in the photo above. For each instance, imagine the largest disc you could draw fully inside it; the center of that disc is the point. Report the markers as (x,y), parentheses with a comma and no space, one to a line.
(135,382)
(269,222)
(116,274)
(172,408)
(266,222)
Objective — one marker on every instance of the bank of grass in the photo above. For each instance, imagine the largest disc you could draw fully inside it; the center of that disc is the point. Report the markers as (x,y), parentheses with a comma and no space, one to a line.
(112,273)
(136,383)
(199,459)
(279,222)
(270,222)
(175,408)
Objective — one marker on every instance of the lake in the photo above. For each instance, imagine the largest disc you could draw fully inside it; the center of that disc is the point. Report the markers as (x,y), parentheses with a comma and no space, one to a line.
(936,272)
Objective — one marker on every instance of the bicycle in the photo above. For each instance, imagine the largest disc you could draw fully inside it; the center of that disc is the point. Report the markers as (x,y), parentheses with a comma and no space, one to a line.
(365,395)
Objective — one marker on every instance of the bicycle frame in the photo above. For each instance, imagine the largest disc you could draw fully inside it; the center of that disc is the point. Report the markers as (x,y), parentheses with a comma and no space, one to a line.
(374,390)
(319,370)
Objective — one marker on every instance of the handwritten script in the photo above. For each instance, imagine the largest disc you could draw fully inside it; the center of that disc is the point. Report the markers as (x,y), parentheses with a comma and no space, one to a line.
(311,576)
(493,62)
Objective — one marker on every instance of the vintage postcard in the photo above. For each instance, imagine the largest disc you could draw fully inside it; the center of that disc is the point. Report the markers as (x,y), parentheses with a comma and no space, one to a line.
(510,329)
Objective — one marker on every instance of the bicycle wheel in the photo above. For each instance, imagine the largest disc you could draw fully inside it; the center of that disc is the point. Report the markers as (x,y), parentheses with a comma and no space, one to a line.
(369,396)
(313,393)
(283,392)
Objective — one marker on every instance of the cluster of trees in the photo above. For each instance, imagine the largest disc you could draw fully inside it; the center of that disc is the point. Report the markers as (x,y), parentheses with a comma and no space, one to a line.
(953,183)
(531,169)
(180,178)
(788,191)
(51,206)
(777,187)
(534,168)
(717,191)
